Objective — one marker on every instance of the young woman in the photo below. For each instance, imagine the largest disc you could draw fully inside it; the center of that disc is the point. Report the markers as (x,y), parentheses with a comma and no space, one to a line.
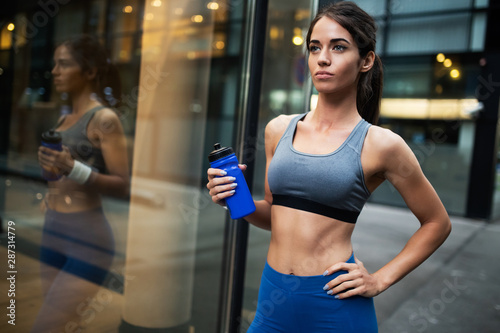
(77,245)
(321,168)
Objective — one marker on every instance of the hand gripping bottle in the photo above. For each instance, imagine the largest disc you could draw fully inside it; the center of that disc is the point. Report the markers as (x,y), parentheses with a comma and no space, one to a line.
(51,139)
(240,204)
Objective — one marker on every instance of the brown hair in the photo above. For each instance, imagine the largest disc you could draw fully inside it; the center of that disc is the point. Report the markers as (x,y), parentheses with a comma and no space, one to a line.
(363,29)
(89,53)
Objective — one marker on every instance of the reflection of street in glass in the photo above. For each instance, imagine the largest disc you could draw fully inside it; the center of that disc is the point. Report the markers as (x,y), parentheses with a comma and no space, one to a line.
(77,247)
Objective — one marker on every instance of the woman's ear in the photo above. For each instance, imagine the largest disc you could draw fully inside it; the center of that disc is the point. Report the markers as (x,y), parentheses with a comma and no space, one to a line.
(368,61)
(92,73)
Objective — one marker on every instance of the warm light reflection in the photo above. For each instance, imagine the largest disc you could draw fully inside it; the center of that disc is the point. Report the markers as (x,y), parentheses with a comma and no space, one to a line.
(10,26)
(213,5)
(414,108)
(149,16)
(156,3)
(274,32)
(297,36)
(455,73)
(297,40)
(447,63)
(197,18)
(219,45)
(178,11)
(128,9)
(440,57)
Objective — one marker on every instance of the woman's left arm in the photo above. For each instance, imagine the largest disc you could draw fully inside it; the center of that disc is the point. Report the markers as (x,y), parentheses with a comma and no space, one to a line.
(399,166)
(109,131)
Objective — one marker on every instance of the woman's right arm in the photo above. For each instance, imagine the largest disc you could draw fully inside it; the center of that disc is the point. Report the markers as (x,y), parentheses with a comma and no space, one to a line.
(220,187)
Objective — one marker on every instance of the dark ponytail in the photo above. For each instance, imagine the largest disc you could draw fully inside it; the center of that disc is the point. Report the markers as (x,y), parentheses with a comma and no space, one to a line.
(363,29)
(369,94)
(90,54)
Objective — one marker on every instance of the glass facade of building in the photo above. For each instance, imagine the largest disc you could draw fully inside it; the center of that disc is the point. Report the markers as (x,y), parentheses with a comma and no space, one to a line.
(186,70)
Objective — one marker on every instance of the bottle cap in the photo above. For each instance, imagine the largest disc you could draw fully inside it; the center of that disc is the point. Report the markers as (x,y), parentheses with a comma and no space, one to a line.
(219,152)
(51,136)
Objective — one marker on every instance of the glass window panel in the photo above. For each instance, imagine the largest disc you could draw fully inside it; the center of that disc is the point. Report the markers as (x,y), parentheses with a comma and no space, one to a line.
(70,20)
(97,19)
(428,34)
(379,49)
(123,49)
(405,80)
(125,16)
(284,91)
(179,95)
(481,3)
(478,32)
(406,7)
(374,8)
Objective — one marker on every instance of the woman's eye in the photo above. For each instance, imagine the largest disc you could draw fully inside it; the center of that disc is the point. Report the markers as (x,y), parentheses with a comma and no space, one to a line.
(313,48)
(339,47)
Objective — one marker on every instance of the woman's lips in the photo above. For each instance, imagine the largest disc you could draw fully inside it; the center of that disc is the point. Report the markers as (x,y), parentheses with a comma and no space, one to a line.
(323,75)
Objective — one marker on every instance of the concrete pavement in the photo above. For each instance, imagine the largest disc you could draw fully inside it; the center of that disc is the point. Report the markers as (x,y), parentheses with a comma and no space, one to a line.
(456,290)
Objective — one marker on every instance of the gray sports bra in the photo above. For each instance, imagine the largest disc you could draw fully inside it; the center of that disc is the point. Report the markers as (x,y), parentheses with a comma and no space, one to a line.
(75,138)
(331,184)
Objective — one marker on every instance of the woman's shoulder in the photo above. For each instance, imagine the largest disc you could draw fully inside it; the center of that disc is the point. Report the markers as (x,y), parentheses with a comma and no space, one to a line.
(279,124)
(276,128)
(107,119)
(384,141)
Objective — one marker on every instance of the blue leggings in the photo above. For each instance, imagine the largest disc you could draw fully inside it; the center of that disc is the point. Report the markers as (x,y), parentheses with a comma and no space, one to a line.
(79,243)
(289,303)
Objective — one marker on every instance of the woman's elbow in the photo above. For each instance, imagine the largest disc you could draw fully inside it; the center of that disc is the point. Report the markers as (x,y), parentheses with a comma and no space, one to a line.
(445,228)
(122,188)
(125,189)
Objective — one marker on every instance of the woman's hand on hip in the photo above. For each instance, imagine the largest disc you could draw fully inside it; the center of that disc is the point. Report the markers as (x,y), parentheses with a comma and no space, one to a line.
(357,281)
(220,185)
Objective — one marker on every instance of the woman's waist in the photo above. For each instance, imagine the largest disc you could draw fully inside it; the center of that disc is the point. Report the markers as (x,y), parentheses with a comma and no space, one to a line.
(71,198)
(294,257)
(301,282)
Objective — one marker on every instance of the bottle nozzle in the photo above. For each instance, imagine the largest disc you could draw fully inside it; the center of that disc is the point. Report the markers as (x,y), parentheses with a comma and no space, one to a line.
(219,152)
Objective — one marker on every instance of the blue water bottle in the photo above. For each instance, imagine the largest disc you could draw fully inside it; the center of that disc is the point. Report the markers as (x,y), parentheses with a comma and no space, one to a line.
(240,204)
(51,139)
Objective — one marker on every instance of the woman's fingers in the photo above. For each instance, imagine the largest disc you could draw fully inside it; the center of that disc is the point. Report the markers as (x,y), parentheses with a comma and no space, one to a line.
(219,185)
(215,173)
(357,281)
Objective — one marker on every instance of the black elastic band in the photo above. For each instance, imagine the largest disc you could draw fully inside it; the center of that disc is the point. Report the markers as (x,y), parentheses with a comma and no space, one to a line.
(315,207)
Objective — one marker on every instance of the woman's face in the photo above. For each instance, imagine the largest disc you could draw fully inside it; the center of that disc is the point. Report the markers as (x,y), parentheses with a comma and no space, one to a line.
(67,73)
(334,60)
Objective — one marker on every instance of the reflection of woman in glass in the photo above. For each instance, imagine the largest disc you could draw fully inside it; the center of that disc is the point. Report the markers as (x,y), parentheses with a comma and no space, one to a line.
(77,244)
(321,168)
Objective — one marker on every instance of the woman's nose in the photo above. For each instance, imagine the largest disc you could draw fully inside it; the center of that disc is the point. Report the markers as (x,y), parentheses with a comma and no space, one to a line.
(324,58)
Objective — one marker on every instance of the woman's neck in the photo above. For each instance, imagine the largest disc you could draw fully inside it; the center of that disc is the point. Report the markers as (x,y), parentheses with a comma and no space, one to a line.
(83,101)
(335,111)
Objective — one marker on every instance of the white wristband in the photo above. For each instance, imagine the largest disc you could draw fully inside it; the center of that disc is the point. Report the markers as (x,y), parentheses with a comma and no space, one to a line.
(80,172)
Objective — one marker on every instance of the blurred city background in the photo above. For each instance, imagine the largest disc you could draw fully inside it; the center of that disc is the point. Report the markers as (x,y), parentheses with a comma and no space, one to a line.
(196,72)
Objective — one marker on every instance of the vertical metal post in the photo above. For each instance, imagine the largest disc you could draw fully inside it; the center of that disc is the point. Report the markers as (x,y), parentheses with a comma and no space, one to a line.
(484,159)
(247,122)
